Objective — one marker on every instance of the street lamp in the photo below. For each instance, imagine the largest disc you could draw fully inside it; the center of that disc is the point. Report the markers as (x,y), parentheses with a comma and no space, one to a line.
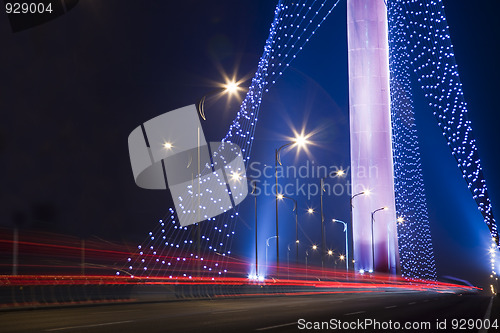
(267,245)
(288,258)
(338,173)
(346,243)
(231,87)
(300,141)
(307,255)
(281,197)
(373,239)
(330,254)
(254,189)
(365,192)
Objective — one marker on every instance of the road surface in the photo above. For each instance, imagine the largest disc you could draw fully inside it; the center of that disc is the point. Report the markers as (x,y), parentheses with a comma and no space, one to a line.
(267,314)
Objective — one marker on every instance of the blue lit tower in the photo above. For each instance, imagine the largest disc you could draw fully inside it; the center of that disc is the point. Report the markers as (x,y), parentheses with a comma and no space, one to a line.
(373,216)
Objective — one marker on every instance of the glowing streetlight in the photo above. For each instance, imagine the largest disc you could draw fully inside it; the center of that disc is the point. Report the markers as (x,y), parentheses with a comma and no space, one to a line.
(231,87)
(168,145)
(300,141)
(400,220)
(342,257)
(235,176)
(314,247)
(330,252)
(346,242)
(310,211)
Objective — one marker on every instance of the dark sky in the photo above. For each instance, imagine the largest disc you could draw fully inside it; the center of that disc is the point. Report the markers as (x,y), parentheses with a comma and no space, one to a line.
(74,88)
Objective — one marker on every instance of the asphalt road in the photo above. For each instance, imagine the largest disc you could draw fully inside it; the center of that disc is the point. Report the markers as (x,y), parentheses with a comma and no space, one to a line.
(266,314)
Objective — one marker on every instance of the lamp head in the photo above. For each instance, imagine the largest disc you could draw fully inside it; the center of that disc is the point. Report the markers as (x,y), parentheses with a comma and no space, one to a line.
(231,87)
(301,141)
(235,176)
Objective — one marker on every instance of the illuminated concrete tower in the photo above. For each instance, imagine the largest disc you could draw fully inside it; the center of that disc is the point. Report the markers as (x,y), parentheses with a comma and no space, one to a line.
(371,138)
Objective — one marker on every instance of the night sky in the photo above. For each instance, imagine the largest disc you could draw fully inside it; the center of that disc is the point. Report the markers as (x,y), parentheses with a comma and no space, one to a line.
(74,88)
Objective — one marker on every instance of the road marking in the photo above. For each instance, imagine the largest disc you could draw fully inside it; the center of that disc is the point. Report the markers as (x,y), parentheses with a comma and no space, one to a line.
(411,303)
(353,313)
(487,315)
(115,311)
(229,311)
(275,326)
(391,306)
(86,326)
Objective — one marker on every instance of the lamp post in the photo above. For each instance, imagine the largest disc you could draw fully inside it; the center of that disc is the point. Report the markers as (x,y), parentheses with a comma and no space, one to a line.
(256,235)
(330,254)
(307,255)
(267,245)
(365,192)
(281,197)
(314,247)
(346,243)
(288,260)
(300,141)
(373,239)
(338,173)
(230,87)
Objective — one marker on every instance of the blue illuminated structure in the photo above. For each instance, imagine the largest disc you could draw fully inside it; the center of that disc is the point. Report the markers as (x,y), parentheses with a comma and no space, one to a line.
(203,250)
(420,51)
(421,48)
(414,235)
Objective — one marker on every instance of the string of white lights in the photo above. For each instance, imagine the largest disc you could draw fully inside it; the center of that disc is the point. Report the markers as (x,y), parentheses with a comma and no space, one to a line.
(265,78)
(494,276)
(414,236)
(433,60)
(420,43)
(419,39)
